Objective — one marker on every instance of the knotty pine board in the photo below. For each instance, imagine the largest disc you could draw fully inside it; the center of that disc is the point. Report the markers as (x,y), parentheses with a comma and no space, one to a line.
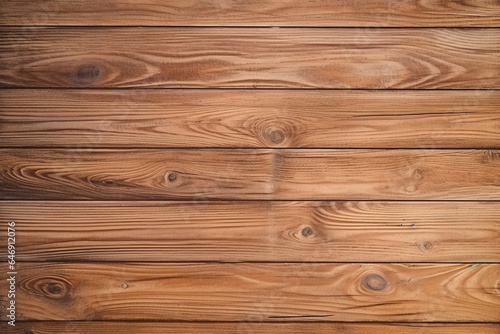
(115,327)
(258,292)
(255,231)
(319,13)
(250,58)
(249,118)
(264,174)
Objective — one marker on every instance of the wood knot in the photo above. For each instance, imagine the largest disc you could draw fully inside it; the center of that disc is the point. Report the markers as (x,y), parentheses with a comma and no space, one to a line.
(87,74)
(124,285)
(426,246)
(307,231)
(417,174)
(172,177)
(277,136)
(54,288)
(375,282)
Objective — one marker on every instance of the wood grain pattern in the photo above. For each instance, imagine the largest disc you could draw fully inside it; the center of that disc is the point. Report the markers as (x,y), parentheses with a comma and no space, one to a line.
(319,13)
(255,231)
(264,174)
(246,58)
(258,292)
(249,118)
(114,327)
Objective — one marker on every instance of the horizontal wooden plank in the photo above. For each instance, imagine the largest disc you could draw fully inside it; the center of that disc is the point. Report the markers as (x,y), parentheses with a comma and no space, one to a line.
(325,13)
(249,118)
(115,327)
(246,58)
(257,292)
(307,174)
(255,231)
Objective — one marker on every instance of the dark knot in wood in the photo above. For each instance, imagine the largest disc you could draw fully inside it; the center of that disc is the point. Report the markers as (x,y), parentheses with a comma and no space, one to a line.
(307,231)
(53,288)
(277,136)
(375,282)
(87,74)
(172,177)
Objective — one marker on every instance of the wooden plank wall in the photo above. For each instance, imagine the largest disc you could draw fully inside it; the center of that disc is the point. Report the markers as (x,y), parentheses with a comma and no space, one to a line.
(244,166)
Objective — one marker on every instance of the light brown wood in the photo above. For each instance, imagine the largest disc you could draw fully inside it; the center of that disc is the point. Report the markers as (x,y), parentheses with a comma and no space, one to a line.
(258,292)
(251,58)
(249,118)
(255,231)
(114,327)
(320,13)
(387,174)
(263,174)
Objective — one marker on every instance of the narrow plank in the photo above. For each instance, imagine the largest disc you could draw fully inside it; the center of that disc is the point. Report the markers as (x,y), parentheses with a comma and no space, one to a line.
(249,118)
(324,13)
(246,58)
(257,292)
(265,174)
(115,327)
(255,231)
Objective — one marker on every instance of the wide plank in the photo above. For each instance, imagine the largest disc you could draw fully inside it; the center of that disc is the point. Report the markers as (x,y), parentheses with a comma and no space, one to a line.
(249,118)
(254,231)
(257,292)
(250,58)
(117,327)
(320,13)
(265,174)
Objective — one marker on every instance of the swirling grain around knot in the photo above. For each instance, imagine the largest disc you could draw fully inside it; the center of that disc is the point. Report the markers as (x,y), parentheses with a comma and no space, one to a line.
(249,58)
(51,287)
(273,132)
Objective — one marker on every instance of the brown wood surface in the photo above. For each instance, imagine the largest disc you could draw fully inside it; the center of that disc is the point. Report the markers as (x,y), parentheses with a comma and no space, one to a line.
(319,13)
(114,327)
(249,118)
(246,58)
(257,292)
(255,231)
(307,174)
(251,166)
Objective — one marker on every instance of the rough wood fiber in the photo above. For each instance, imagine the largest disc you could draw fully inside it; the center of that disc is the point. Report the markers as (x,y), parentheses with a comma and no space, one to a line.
(258,292)
(249,118)
(263,174)
(113,327)
(319,13)
(255,231)
(246,58)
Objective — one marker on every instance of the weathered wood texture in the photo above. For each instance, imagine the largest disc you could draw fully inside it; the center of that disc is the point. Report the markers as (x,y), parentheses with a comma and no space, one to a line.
(249,118)
(258,292)
(238,57)
(114,327)
(307,174)
(255,231)
(319,13)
